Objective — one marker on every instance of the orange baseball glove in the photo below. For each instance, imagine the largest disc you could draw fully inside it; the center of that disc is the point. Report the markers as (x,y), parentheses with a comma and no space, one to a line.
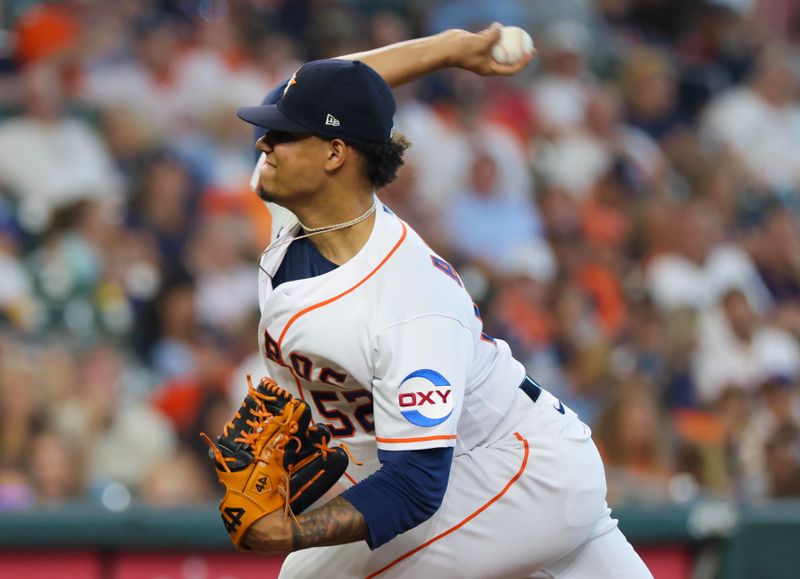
(269,457)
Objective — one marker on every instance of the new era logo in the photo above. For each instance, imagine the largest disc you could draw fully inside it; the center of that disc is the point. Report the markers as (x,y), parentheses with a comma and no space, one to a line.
(332,121)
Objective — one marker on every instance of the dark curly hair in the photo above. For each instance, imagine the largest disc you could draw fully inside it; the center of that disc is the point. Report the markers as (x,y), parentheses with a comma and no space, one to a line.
(382,160)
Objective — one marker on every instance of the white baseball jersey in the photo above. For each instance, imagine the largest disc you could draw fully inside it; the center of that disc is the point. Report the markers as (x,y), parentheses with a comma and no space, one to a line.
(388,348)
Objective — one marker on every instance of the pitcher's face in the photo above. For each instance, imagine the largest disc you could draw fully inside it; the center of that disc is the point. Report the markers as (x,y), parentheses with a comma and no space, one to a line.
(292,165)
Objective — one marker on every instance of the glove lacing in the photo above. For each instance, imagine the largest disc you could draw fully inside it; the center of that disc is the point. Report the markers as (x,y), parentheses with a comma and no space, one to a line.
(261,415)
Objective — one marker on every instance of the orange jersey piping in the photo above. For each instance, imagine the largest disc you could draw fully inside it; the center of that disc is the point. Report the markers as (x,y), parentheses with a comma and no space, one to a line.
(464,521)
(417,439)
(347,291)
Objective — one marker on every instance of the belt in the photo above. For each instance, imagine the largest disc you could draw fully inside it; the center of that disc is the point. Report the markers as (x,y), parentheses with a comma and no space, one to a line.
(531,388)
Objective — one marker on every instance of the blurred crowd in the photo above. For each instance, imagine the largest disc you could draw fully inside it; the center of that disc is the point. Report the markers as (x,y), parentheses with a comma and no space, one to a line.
(626,213)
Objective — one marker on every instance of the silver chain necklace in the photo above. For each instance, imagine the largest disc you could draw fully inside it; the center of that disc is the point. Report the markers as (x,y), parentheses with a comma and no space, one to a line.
(309,231)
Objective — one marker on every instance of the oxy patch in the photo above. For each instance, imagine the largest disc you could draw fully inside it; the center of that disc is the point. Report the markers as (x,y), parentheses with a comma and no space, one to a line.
(425,398)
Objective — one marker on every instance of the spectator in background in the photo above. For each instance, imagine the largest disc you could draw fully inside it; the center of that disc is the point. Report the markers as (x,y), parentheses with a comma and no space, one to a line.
(735,347)
(169,330)
(487,224)
(21,405)
(775,249)
(658,21)
(121,438)
(783,463)
(225,279)
(774,407)
(677,343)
(733,410)
(163,206)
(584,381)
(560,95)
(719,183)
(35,465)
(760,123)
(130,279)
(718,48)
(562,221)
(701,265)
(132,138)
(197,399)
(195,402)
(55,469)
(274,56)
(214,411)
(445,137)
(220,153)
(45,32)
(635,443)
(215,53)
(519,310)
(576,160)
(649,85)
(49,160)
(221,159)
(69,266)
(177,482)
(159,80)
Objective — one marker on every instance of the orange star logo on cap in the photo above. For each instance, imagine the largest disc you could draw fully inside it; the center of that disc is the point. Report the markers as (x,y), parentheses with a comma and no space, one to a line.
(291,83)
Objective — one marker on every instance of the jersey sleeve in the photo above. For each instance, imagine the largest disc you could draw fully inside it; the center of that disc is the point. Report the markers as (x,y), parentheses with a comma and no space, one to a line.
(407,490)
(419,383)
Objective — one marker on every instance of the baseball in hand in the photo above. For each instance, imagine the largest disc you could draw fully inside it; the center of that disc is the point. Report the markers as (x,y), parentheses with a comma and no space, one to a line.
(514,43)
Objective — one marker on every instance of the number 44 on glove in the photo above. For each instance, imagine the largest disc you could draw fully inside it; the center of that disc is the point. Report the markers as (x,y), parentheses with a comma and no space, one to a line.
(269,457)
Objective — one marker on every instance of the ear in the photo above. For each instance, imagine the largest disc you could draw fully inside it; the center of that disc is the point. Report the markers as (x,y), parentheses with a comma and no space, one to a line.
(337,155)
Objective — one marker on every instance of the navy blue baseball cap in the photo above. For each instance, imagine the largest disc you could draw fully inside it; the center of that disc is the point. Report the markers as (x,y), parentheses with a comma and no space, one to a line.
(340,99)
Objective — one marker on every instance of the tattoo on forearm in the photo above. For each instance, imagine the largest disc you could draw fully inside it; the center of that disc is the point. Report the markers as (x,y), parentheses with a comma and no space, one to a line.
(335,523)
